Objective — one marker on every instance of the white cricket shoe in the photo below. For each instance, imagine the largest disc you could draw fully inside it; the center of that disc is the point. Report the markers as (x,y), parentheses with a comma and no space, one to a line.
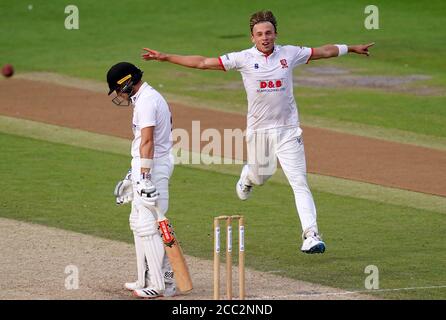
(312,243)
(148,293)
(169,283)
(243,190)
(132,286)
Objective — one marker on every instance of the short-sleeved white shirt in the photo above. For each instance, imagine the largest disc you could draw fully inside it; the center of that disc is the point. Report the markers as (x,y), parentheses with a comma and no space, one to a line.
(151,109)
(268,82)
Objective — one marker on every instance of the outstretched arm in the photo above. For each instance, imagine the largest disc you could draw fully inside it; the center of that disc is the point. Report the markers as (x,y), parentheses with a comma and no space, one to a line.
(330,51)
(197,62)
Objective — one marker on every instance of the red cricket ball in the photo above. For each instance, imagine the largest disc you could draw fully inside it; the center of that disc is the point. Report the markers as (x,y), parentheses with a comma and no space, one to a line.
(7,70)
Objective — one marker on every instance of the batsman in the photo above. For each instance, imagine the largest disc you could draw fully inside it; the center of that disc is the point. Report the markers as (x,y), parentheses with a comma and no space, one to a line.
(161,268)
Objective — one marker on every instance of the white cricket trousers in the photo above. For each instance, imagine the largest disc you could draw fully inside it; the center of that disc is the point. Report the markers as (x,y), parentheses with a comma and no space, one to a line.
(286,145)
(149,246)
(161,173)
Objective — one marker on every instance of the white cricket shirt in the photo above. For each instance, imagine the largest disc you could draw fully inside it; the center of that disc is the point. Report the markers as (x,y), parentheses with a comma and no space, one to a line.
(268,82)
(151,109)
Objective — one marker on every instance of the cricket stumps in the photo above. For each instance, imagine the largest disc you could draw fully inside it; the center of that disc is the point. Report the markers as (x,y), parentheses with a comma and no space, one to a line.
(241,262)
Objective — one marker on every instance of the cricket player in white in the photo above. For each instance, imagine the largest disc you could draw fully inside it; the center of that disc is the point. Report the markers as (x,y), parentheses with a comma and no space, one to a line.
(273,127)
(146,184)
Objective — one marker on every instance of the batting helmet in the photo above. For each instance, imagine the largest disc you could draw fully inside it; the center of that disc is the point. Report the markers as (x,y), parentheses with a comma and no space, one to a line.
(123,76)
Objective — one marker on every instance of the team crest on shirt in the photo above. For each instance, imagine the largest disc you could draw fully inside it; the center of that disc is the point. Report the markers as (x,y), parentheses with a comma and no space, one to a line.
(284,63)
(256,65)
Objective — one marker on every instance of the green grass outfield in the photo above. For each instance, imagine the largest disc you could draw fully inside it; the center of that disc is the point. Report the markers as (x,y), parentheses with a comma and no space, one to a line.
(71,188)
(409,42)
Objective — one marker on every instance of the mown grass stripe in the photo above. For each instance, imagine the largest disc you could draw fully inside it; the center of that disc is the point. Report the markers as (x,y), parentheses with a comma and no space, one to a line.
(360,129)
(338,186)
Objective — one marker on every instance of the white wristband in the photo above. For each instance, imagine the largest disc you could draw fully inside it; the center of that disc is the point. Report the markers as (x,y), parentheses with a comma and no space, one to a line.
(146,163)
(343,49)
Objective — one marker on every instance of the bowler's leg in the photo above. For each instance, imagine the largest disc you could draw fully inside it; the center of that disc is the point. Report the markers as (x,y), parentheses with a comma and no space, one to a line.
(291,154)
(262,163)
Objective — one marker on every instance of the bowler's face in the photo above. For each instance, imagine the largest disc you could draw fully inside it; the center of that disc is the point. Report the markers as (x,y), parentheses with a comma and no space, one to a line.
(263,36)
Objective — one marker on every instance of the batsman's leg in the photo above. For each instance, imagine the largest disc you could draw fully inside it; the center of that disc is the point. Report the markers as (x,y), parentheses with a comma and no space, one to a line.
(161,174)
(141,266)
(161,274)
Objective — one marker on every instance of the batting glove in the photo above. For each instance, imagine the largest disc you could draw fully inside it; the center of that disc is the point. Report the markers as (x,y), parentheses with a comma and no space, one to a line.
(147,190)
(124,190)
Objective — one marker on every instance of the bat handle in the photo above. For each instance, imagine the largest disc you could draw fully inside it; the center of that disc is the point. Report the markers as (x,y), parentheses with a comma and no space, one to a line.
(166,231)
(159,214)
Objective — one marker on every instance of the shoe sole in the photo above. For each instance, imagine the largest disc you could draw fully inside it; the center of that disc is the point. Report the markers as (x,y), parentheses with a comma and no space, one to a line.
(146,298)
(319,248)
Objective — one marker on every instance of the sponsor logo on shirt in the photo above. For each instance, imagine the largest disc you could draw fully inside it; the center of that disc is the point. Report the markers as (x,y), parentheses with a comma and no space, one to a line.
(284,63)
(271,85)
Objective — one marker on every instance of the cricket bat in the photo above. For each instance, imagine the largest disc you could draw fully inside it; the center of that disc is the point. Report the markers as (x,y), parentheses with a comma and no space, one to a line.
(175,254)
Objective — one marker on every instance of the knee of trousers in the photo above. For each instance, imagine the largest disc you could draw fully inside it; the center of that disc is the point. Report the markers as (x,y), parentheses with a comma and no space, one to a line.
(146,224)
(163,205)
(298,182)
(163,199)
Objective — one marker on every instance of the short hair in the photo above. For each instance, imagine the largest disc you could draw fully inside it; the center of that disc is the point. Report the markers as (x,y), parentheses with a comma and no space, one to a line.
(263,16)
